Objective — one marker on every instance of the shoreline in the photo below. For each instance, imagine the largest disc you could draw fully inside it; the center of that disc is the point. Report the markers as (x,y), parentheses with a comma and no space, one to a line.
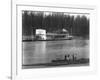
(53,66)
(46,40)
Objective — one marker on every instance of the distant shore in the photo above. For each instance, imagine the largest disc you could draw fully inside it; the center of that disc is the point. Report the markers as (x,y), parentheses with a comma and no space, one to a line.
(45,40)
(53,40)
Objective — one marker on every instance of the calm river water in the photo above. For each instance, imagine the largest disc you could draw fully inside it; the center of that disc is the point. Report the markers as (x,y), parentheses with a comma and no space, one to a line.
(45,51)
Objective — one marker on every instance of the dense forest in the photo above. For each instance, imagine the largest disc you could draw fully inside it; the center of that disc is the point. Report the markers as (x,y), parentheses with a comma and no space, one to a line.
(76,25)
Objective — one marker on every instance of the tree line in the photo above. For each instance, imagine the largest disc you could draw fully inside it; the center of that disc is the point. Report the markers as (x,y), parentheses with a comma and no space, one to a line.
(76,25)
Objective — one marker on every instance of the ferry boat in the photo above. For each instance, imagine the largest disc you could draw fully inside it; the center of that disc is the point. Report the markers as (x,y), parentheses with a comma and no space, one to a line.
(41,35)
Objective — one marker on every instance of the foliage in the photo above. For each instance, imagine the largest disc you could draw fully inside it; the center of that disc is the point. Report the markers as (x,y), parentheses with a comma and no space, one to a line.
(76,25)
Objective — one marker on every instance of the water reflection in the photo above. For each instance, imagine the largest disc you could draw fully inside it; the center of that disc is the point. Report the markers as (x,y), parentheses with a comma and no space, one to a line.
(40,52)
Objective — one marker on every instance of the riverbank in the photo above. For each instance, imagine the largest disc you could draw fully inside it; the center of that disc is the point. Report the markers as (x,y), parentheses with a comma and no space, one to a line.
(80,62)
